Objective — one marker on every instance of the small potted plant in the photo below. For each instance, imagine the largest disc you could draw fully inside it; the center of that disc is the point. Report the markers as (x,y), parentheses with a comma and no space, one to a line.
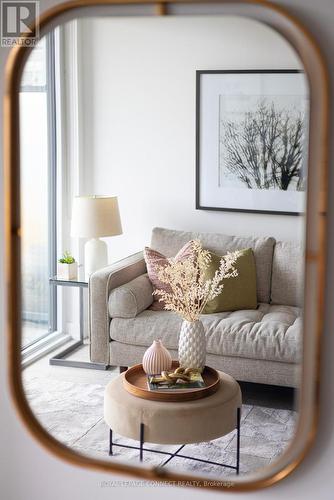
(67,268)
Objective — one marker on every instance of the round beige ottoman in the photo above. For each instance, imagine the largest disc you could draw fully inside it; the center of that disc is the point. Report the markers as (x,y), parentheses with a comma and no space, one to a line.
(173,422)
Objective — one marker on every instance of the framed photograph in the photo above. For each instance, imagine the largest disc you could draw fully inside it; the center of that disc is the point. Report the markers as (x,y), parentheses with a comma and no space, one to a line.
(251,141)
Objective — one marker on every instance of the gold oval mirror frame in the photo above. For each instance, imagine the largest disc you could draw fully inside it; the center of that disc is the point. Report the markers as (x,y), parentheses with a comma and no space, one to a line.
(315,68)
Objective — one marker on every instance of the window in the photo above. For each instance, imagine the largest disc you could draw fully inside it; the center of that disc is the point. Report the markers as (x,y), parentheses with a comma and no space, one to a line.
(38,193)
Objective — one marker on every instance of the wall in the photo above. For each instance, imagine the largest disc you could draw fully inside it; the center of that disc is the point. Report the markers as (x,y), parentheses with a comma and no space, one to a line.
(138,98)
(27,472)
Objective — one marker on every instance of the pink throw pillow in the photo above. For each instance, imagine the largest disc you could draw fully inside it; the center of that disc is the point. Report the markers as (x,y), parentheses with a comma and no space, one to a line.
(155,259)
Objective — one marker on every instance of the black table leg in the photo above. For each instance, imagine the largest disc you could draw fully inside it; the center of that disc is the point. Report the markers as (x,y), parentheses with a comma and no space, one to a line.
(141,442)
(238,439)
(110,442)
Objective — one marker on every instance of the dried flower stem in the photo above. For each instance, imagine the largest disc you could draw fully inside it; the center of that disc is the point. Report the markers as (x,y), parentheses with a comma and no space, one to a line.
(190,291)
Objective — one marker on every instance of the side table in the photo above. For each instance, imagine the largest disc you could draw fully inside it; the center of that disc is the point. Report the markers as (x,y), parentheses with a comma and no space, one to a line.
(59,359)
(183,422)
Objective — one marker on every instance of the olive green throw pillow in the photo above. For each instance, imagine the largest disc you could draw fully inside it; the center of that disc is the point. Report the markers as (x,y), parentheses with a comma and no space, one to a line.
(238,293)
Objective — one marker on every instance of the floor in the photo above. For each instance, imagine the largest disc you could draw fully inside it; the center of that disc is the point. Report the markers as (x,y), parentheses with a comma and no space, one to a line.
(69,404)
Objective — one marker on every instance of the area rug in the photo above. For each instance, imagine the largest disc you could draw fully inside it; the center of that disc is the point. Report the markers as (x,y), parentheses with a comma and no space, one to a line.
(73,414)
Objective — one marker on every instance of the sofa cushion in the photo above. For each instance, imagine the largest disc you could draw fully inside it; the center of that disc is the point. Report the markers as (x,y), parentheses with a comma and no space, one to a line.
(154,260)
(271,332)
(169,242)
(239,292)
(287,284)
(128,300)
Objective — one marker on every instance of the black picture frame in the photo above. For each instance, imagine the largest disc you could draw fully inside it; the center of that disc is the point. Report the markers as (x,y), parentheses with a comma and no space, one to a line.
(198,204)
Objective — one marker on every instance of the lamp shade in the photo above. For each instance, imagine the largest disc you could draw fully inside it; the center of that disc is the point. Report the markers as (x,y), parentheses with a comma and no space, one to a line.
(95,217)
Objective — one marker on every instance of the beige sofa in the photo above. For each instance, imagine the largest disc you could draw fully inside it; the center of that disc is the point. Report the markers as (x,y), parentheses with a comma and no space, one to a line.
(262,345)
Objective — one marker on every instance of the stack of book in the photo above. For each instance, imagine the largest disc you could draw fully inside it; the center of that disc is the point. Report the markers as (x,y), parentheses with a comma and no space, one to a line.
(158,383)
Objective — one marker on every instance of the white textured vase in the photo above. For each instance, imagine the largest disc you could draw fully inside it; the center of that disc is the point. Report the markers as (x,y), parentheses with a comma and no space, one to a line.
(156,359)
(192,345)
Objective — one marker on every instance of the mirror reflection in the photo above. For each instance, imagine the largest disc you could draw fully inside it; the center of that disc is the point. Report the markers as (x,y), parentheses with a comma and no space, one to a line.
(163,178)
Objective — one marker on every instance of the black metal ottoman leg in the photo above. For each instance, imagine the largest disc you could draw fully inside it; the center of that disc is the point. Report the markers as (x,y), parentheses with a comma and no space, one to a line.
(110,442)
(141,442)
(238,439)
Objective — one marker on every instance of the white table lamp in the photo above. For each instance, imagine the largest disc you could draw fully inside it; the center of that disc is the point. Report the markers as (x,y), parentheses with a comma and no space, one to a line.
(95,217)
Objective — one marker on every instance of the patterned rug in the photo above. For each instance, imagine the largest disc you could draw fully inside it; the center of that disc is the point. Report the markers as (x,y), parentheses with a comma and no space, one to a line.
(72,413)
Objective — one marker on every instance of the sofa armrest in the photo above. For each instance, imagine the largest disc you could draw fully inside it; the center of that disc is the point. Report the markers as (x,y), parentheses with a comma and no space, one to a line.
(100,284)
(129,300)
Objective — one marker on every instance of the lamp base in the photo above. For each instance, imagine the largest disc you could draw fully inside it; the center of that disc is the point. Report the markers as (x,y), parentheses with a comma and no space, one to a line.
(96,256)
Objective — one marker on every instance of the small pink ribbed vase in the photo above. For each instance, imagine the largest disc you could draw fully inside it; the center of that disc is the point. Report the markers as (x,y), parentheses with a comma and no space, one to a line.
(156,359)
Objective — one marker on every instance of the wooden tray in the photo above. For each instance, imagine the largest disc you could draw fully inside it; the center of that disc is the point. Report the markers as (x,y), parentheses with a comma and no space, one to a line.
(135,382)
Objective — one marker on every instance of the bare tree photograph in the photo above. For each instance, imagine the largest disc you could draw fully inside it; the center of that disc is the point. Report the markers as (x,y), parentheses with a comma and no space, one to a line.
(252,140)
(262,147)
